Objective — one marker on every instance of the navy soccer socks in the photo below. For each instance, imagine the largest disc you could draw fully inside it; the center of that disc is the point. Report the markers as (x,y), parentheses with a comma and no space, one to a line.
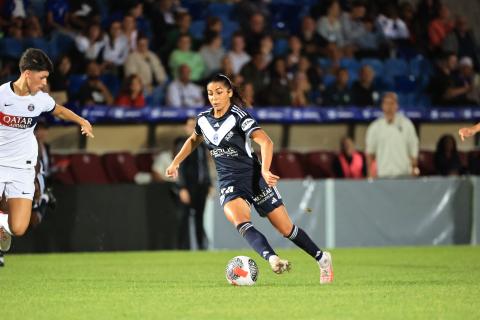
(302,240)
(256,240)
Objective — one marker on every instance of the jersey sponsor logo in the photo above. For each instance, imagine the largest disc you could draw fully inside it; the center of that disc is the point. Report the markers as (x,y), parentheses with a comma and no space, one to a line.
(263,196)
(247,123)
(18,122)
(224,152)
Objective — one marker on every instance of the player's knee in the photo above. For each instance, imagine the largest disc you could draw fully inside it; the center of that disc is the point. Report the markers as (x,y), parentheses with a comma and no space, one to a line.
(285,230)
(18,229)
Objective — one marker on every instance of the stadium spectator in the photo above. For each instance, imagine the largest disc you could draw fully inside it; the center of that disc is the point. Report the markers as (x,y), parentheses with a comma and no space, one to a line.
(392,142)
(116,49)
(370,43)
(446,159)
(278,91)
(331,30)
(182,92)
(339,93)
(439,28)
(172,36)
(194,185)
(352,22)
(464,42)
(162,17)
(59,80)
(294,52)
(364,91)
(184,55)
(57,15)
(131,94)
(300,91)
(391,25)
(349,163)
(33,29)
(467,75)
(91,44)
(237,54)
(83,13)
(212,53)
(266,48)
(213,26)
(129,28)
(255,73)
(147,66)
(226,68)
(136,11)
(255,32)
(94,91)
(314,73)
(248,94)
(313,45)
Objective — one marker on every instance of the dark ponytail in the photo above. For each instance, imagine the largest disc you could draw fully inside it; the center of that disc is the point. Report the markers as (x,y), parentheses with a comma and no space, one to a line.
(236,99)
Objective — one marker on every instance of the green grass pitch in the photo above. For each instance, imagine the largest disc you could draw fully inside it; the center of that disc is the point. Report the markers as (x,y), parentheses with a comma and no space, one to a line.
(370,283)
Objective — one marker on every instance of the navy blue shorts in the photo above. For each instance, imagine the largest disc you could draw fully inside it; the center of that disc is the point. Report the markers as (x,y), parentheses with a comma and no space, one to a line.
(254,190)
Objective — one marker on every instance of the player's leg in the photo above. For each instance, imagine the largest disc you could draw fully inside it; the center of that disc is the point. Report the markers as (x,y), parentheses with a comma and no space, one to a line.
(281,221)
(237,212)
(19,210)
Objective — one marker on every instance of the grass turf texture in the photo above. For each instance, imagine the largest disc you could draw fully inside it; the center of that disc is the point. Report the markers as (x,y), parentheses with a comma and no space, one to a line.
(370,283)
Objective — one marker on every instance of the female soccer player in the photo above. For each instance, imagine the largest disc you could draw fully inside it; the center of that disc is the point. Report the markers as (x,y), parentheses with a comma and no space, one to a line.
(227,130)
(468,131)
(21,103)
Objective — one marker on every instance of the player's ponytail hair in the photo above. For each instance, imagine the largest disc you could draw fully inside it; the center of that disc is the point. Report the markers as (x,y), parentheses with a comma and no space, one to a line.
(236,99)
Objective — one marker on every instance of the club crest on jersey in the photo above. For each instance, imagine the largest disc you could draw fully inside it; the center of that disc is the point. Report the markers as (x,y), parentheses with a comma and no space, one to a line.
(215,138)
(31,107)
(247,124)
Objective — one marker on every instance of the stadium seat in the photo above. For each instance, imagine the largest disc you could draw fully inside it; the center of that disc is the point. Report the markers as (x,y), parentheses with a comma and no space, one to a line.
(39,43)
(425,163)
(120,167)
(319,164)
(352,65)
(11,48)
(196,28)
(112,82)
(87,169)
(221,10)
(324,63)
(280,47)
(376,64)
(75,82)
(289,165)
(62,174)
(144,161)
(406,84)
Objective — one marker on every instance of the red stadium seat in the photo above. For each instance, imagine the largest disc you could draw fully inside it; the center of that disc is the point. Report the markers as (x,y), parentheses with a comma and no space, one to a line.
(120,167)
(288,165)
(319,164)
(425,163)
(87,168)
(144,161)
(62,172)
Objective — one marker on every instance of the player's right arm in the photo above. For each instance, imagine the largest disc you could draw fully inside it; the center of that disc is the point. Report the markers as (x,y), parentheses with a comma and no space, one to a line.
(468,131)
(191,144)
(68,115)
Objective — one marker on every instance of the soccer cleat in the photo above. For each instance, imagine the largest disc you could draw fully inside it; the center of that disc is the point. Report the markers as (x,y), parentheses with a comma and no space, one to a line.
(2,261)
(278,265)
(326,268)
(5,240)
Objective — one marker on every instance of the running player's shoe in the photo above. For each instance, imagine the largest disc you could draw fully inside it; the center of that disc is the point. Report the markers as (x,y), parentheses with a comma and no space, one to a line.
(279,265)
(2,261)
(326,268)
(5,240)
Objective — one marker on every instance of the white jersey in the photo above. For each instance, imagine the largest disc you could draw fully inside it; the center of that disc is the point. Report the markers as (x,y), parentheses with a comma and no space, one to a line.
(18,117)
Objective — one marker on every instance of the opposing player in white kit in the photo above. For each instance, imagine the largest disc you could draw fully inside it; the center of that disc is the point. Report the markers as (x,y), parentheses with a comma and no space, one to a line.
(21,103)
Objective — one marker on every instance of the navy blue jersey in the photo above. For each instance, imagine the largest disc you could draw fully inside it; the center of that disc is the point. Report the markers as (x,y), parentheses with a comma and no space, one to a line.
(228,139)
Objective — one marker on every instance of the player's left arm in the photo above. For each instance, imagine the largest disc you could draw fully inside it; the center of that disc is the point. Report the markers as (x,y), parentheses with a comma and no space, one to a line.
(66,114)
(266,147)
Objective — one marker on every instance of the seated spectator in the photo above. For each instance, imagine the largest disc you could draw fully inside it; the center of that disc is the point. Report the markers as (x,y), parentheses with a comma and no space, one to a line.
(59,80)
(254,33)
(369,43)
(184,55)
(182,27)
(162,16)
(57,15)
(131,94)
(255,73)
(182,92)
(83,13)
(467,75)
(391,25)
(364,92)
(212,53)
(294,52)
(213,25)
(349,163)
(440,28)
(313,45)
(446,158)
(248,94)
(465,42)
(339,94)
(33,29)
(91,43)
(116,49)
(352,22)
(129,28)
(300,91)
(147,66)
(237,54)
(94,91)
(266,48)
(278,91)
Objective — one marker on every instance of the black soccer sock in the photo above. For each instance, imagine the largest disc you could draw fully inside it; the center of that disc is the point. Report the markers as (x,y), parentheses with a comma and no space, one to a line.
(256,240)
(302,240)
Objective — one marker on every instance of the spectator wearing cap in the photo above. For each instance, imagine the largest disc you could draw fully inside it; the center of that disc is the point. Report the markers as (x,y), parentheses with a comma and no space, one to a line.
(467,76)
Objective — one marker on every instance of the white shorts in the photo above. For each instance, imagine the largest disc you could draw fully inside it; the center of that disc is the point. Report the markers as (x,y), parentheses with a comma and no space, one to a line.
(17,183)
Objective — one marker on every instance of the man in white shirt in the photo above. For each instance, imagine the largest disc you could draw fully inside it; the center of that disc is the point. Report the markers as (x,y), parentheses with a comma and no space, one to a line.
(392,142)
(21,103)
(182,92)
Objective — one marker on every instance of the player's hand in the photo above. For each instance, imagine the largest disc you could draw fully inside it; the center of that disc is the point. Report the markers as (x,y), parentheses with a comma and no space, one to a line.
(270,178)
(184,196)
(172,171)
(465,133)
(86,128)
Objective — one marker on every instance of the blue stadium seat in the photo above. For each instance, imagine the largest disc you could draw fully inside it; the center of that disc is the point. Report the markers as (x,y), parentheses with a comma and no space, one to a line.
(75,82)
(406,84)
(197,27)
(420,66)
(351,64)
(39,43)
(396,67)
(221,10)
(112,83)
(324,63)
(196,8)
(328,79)
(280,47)
(376,64)
(11,48)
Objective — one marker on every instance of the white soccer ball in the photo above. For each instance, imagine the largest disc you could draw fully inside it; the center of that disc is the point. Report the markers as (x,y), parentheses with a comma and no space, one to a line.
(242,271)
